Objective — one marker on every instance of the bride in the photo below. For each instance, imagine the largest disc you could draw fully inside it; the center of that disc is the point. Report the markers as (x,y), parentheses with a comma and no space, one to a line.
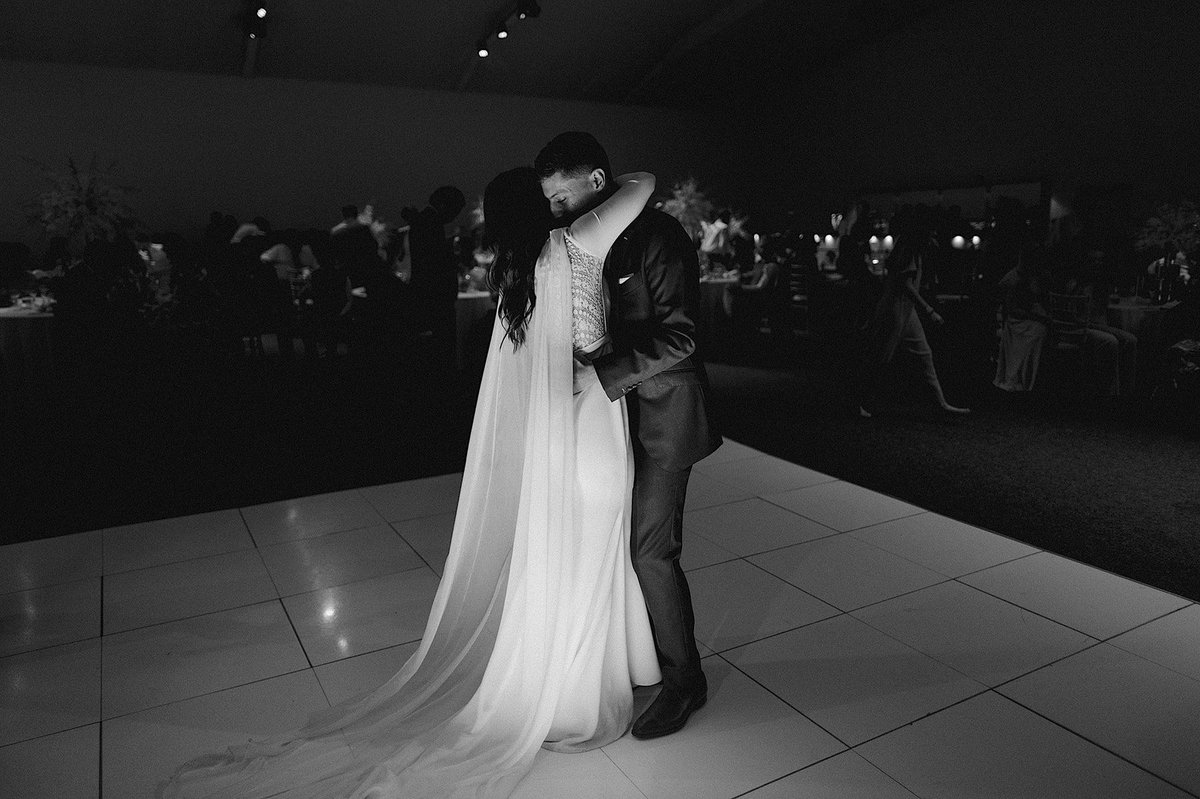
(538,631)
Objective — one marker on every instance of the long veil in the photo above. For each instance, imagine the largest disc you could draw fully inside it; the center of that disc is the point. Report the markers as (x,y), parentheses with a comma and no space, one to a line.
(454,721)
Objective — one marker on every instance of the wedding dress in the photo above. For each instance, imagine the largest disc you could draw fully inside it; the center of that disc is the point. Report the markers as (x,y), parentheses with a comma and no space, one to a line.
(538,630)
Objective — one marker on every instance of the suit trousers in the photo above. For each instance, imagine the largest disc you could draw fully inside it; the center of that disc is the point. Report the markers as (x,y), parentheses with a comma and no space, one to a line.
(657,541)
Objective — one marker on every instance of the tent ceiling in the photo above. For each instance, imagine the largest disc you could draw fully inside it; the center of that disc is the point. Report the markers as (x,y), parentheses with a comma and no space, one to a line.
(714,55)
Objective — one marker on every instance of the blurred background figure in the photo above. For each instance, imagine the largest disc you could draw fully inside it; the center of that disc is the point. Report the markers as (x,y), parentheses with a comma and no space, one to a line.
(434,271)
(897,325)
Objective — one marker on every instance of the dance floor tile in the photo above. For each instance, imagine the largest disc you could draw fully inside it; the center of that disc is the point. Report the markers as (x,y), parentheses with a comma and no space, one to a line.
(844,776)
(743,738)
(144,749)
(349,677)
(763,474)
(361,617)
(704,492)
(139,546)
(49,690)
(985,638)
(944,545)
(305,517)
(1141,711)
(430,537)
(843,506)
(845,572)
(58,766)
(587,775)
(752,526)
(1172,641)
(314,563)
(164,663)
(728,451)
(736,603)
(699,551)
(990,748)
(851,679)
(48,616)
(50,561)
(187,588)
(413,499)
(1092,601)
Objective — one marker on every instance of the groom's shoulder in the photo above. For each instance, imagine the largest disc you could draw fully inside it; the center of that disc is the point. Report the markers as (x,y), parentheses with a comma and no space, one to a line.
(652,222)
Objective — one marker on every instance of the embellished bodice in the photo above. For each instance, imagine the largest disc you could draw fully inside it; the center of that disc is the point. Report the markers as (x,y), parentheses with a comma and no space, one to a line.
(588,326)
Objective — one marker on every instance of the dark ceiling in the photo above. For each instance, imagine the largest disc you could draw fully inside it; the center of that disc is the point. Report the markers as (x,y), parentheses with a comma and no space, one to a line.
(716,55)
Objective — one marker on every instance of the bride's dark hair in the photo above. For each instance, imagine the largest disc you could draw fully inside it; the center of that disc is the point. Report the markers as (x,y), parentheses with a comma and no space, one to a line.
(516,224)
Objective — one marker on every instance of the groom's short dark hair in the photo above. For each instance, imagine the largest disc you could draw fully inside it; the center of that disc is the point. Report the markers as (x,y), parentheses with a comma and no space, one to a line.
(571,153)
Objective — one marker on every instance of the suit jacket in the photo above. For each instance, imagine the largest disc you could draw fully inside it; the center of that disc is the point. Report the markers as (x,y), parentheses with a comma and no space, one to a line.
(653,279)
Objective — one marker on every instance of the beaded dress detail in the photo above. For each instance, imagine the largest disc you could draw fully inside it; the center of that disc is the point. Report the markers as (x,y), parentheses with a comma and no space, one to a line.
(588,327)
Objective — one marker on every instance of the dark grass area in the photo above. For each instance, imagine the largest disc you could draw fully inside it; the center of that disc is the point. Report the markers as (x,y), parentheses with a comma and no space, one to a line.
(146,432)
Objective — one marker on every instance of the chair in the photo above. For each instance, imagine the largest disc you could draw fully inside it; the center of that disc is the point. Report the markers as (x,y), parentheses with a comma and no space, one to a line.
(1069,315)
(1068,333)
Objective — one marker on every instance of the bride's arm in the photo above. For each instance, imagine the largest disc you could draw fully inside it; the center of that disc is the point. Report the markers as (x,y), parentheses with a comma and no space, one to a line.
(596,230)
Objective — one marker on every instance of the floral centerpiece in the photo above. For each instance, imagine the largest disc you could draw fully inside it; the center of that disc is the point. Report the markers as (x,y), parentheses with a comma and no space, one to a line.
(689,205)
(83,205)
(1173,232)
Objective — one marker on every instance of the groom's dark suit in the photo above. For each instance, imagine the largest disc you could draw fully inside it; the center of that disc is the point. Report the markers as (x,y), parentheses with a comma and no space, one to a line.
(654,286)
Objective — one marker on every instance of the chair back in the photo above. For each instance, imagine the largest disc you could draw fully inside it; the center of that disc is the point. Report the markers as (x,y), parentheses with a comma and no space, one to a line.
(1069,314)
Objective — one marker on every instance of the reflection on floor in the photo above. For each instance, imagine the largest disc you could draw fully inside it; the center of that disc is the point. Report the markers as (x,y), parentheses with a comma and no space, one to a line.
(856,646)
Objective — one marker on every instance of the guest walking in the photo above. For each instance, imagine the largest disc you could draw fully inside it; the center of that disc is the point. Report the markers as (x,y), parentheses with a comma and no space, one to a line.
(896,323)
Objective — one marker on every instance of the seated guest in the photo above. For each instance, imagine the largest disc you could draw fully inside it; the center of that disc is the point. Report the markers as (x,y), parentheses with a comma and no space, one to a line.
(747,303)
(1110,351)
(1024,325)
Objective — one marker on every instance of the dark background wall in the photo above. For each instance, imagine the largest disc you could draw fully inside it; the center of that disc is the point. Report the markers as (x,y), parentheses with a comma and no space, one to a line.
(1067,92)
(296,151)
(1070,94)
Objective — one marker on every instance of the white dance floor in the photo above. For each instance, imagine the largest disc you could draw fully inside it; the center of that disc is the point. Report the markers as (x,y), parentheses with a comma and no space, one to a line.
(856,646)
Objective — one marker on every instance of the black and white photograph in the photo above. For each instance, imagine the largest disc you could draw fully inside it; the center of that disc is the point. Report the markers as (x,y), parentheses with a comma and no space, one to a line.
(533,399)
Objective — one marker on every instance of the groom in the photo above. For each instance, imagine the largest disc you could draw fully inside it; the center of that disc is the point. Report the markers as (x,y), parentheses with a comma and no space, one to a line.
(653,282)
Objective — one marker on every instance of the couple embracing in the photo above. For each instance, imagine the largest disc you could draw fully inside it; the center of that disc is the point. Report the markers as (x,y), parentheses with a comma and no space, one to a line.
(562,589)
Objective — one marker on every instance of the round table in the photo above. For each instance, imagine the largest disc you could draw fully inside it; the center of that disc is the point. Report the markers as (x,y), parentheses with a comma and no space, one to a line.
(1137,316)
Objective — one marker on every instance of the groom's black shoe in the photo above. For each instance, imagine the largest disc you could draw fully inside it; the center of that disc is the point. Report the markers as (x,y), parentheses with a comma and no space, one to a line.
(669,712)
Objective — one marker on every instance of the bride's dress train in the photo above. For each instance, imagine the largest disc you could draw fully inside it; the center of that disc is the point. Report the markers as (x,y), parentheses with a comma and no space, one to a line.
(538,629)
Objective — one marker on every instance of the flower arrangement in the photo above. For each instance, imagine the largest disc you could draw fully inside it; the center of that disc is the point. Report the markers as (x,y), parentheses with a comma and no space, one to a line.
(83,205)
(689,205)
(1173,224)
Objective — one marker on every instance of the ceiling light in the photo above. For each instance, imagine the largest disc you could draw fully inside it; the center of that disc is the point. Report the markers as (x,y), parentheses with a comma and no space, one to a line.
(502,32)
(261,13)
(528,8)
(482,47)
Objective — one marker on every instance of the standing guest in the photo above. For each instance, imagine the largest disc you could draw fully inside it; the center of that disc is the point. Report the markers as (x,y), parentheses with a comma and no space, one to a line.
(281,258)
(715,248)
(328,315)
(434,274)
(896,321)
(349,219)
